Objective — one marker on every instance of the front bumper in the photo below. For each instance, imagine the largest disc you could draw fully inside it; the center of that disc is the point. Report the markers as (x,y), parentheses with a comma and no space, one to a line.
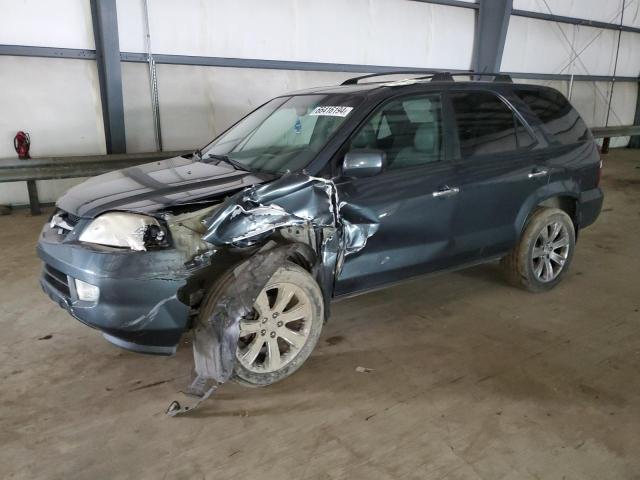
(138,307)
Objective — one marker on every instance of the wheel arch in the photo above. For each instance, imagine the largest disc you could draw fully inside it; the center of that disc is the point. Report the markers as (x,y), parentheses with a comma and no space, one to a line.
(302,255)
(565,201)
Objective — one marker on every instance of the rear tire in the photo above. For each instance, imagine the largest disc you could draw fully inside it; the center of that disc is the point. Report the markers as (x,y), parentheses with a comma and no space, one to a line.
(544,252)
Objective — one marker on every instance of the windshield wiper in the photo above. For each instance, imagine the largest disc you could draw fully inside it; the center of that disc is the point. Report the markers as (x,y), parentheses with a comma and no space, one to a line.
(224,158)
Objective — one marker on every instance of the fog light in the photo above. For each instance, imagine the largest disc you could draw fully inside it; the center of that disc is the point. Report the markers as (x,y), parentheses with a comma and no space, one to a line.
(86,291)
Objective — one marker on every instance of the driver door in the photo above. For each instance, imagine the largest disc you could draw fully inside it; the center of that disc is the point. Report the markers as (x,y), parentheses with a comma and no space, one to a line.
(413,198)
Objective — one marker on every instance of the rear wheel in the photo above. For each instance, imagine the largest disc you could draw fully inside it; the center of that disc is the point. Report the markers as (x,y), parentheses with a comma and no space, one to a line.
(544,252)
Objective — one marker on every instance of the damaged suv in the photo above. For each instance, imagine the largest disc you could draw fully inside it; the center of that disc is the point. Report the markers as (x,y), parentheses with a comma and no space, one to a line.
(317,195)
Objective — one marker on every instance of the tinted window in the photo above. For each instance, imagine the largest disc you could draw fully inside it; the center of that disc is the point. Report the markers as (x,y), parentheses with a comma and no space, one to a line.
(409,130)
(523,137)
(486,125)
(560,119)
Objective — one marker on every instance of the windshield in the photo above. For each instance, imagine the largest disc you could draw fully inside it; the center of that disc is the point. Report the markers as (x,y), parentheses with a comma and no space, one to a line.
(284,134)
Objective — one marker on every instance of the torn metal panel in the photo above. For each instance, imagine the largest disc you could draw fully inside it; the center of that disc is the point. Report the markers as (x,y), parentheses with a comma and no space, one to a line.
(359,224)
(292,200)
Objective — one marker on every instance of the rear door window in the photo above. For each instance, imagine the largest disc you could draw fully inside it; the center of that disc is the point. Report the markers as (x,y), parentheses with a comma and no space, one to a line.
(486,125)
(560,120)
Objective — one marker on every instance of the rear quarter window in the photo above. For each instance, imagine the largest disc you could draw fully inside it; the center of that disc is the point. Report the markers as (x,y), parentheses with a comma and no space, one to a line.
(560,120)
(486,125)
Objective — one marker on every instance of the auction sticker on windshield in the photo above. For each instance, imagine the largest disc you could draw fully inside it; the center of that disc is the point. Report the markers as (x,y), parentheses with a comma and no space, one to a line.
(335,111)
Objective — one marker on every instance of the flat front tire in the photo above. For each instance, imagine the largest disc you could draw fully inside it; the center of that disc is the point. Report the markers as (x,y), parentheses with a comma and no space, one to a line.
(543,255)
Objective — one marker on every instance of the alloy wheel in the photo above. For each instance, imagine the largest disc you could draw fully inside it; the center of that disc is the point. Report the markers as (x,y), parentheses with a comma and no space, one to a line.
(278,329)
(550,251)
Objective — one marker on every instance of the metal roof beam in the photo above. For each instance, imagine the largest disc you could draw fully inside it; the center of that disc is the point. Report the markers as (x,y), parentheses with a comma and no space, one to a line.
(573,21)
(105,31)
(491,32)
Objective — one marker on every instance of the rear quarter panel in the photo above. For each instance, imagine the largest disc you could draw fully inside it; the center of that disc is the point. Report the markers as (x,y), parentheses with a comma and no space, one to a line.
(573,169)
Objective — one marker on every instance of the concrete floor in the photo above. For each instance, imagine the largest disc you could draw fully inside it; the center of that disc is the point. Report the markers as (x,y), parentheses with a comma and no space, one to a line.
(471,379)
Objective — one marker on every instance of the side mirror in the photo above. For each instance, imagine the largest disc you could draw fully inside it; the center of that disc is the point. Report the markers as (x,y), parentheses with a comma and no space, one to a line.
(364,163)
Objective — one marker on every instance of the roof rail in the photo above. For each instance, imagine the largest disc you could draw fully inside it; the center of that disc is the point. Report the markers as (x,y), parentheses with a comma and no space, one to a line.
(354,80)
(442,77)
(435,76)
(447,76)
(502,77)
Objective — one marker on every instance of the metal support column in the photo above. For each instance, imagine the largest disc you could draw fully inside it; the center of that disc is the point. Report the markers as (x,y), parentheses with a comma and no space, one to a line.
(105,32)
(153,79)
(491,31)
(635,140)
(34,201)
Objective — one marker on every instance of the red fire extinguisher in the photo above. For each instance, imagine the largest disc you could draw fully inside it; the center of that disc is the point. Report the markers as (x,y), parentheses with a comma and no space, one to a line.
(21,143)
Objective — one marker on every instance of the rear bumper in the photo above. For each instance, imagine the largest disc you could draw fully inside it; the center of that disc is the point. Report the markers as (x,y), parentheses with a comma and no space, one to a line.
(138,306)
(590,206)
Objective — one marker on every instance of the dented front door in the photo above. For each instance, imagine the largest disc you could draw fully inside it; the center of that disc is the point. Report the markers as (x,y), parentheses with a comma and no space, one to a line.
(414,233)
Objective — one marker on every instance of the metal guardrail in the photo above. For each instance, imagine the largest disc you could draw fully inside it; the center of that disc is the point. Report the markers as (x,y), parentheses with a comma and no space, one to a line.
(50,168)
(607,133)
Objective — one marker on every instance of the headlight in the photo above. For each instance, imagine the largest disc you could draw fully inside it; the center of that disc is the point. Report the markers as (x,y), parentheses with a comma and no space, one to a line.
(129,230)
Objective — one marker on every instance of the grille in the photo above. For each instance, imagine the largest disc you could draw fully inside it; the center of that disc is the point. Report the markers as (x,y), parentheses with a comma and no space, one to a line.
(57,280)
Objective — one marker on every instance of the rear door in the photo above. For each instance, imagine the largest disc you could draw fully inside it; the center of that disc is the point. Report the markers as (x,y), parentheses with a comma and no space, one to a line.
(414,234)
(497,170)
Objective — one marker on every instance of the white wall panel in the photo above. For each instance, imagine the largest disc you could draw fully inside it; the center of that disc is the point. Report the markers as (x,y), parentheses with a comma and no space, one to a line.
(536,46)
(46,23)
(632,13)
(601,10)
(597,49)
(629,56)
(382,32)
(198,103)
(131,25)
(138,115)
(540,46)
(57,101)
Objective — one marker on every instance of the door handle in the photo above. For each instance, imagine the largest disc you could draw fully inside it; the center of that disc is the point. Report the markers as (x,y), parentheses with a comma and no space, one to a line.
(537,173)
(446,191)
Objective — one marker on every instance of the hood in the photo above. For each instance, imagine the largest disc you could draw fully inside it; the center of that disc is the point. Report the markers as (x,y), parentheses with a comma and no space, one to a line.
(157,185)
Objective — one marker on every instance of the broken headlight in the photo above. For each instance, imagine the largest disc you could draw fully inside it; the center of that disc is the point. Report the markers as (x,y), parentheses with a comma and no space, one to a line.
(129,230)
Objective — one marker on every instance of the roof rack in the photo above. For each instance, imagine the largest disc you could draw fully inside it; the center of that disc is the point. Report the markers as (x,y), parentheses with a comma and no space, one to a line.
(354,80)
(441,76)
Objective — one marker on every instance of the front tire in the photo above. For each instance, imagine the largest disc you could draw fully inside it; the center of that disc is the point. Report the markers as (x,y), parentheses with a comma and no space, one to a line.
(287,321)
(544,253)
